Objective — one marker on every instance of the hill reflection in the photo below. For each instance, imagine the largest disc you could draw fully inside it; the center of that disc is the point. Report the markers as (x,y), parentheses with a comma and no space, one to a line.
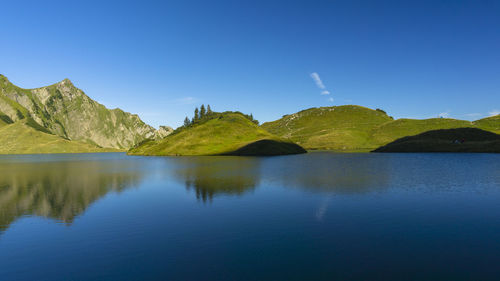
(214,175)
(59,190)
(332,173)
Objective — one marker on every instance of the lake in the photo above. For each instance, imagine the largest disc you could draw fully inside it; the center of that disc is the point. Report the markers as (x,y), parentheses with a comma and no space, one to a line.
(317,216)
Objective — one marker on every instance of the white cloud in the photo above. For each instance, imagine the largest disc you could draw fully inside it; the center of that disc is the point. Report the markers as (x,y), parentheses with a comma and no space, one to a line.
(494,112)
(444,114)
(325,92)
(317,80)
(330,99)
(473,114)
(187,100)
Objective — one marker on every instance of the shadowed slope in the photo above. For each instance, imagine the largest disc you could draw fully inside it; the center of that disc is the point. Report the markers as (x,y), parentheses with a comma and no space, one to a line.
(268,147)
(447,140)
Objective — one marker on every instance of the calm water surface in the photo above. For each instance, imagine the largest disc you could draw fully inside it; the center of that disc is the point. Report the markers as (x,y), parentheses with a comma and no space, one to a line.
(318,216)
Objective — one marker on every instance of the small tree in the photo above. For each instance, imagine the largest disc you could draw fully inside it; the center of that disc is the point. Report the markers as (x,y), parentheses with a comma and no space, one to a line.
(187,122)
(202,111)
(196,115)
(209,110)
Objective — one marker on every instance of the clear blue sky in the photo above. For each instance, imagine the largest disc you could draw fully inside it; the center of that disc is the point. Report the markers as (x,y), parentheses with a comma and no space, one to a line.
(414,59)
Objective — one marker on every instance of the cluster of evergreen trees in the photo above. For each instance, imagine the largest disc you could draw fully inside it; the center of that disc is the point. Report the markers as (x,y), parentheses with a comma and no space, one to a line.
(199,114)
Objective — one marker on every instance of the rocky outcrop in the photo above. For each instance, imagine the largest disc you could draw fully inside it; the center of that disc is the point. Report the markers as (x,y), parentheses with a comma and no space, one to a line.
(163,131)
(67,111)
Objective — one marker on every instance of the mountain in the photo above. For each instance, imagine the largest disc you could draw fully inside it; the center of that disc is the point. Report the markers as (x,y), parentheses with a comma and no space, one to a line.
(66,111)
(357,128)
(228,133)
(27,137)
(446,140)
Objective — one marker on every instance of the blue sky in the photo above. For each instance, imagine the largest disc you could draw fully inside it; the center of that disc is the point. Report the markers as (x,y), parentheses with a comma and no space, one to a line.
(415,59)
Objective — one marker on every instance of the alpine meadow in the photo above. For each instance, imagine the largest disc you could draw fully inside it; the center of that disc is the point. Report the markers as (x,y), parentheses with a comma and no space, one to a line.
(249,140)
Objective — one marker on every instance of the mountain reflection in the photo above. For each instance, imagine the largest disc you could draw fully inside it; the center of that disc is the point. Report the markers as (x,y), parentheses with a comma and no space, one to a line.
(213,175)
(329,172)
(59,190)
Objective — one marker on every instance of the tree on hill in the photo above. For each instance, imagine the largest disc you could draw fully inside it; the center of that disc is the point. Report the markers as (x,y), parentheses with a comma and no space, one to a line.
(209,110)
(196,115)
(202,111)
(187,122)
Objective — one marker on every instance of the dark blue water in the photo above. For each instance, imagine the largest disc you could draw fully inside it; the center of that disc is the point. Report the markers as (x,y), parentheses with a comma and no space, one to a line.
(319,216)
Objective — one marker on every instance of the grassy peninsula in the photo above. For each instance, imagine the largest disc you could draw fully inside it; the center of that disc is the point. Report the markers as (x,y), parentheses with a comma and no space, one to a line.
(227,133)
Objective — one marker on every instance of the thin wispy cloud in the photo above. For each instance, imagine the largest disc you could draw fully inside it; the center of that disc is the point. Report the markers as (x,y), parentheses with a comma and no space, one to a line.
(187,100)
(321,86)
(494,112)
(473,114)
(444,114)
(317,80)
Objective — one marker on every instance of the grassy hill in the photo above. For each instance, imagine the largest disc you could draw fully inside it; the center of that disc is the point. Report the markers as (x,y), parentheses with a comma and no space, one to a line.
(356,128)
(396,129)
(491,124)
(27,137)
(446,140)
(229,133)
(345,127)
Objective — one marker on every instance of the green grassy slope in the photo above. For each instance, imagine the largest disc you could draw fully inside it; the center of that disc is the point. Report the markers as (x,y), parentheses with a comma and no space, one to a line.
(356,128)
(22,137)
(396,129)
(224,134)
(345,127)
(491,124)
(446,140)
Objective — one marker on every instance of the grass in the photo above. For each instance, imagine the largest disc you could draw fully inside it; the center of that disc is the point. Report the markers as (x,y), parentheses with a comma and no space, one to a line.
(446,140)
(224,134)
(22,138)
(491,124)
(396,129)
(332,128)
(354,128)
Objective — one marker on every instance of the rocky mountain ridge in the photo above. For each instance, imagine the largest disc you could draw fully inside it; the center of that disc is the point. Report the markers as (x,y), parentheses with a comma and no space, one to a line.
(66,111)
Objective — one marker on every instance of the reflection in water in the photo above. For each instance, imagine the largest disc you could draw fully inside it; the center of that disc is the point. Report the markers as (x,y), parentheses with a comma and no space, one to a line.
(210,176)
(59,190)
(329,172)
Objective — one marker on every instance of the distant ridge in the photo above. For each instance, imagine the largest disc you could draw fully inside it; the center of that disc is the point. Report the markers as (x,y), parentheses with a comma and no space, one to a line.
(357,128)
(66,111)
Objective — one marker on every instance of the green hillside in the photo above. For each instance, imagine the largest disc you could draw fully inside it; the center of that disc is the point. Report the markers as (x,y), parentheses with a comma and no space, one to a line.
(27,137)
(396,129)
(446,140)
(491,124)
(66,111)
(229,133)
(345,127)
(356,128)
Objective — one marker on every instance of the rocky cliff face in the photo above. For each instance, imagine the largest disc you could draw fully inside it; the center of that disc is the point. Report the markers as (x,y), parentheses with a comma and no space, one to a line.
(67,111)
(163,132)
